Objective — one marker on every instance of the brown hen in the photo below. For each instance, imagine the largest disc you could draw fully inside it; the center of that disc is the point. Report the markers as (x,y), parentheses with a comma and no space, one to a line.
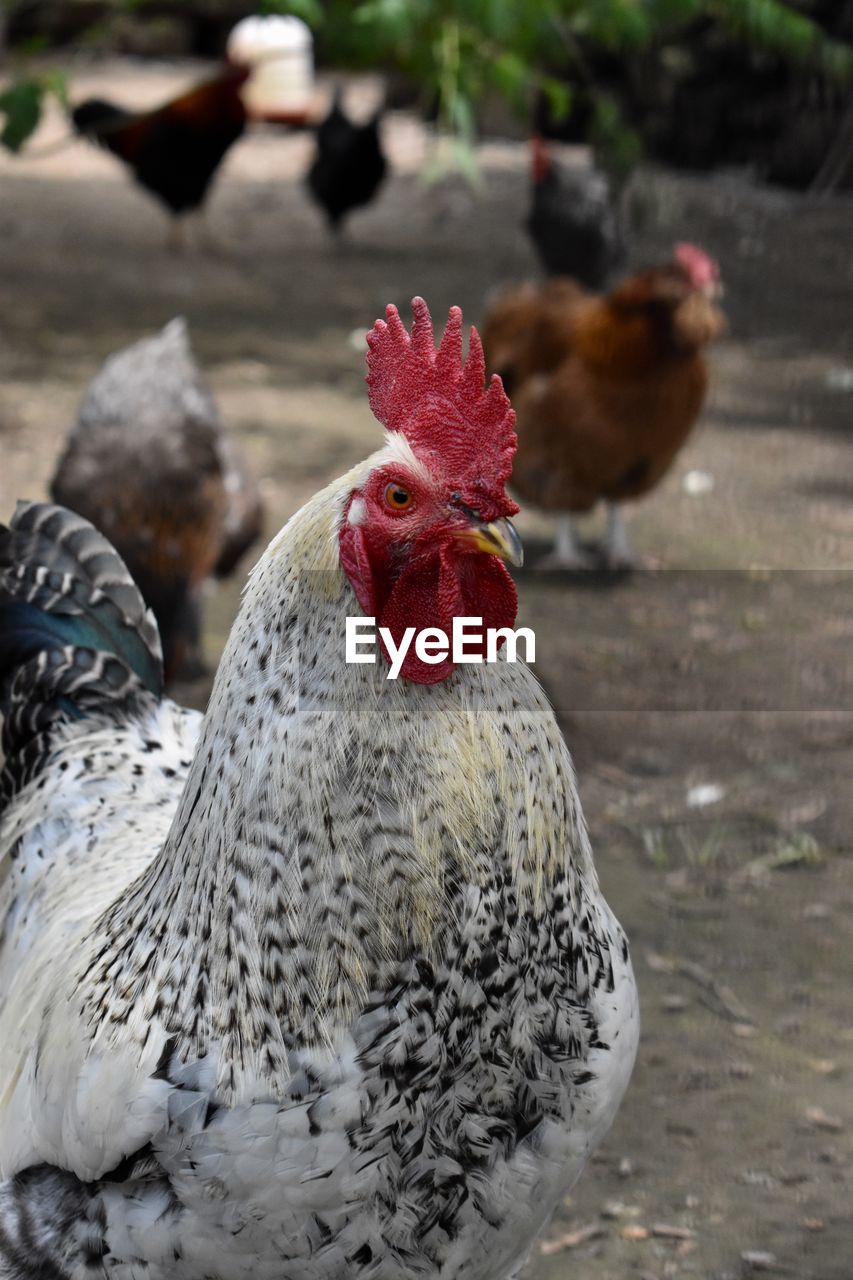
(606,388)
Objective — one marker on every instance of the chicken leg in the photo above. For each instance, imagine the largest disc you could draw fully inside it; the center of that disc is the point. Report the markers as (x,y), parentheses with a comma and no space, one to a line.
(617,551)
(568,552)
(176,235)
(206,238)
(190,233)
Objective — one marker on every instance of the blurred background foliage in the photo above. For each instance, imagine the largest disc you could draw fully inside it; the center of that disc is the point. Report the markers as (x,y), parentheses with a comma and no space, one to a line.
(693,82)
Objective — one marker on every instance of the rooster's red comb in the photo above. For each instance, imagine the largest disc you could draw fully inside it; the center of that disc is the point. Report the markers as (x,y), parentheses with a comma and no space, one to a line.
(436,400)
(699,267)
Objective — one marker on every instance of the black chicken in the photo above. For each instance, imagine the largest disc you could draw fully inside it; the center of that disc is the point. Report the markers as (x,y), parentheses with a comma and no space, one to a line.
(573,222)
(349,165)
(174,150)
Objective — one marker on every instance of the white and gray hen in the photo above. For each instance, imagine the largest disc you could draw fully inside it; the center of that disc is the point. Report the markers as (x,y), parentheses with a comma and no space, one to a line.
(322,986)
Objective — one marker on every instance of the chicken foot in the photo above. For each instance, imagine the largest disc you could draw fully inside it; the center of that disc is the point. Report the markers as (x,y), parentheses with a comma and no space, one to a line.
(613,552)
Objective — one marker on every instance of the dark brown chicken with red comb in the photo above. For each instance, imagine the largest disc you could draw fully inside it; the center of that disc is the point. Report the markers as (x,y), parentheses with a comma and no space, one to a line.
(174,150)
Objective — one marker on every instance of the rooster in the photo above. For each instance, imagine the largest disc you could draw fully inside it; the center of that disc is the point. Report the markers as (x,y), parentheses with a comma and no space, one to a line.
(573,222)
(149,464)
(606,388)
(324,984)
(349,165)
(174,150)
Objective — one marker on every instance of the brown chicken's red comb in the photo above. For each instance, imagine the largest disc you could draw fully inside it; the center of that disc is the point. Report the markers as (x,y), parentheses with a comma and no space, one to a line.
(435,399)
(700,267)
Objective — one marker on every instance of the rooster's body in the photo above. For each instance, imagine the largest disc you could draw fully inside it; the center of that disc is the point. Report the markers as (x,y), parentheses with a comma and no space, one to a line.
(149,463)
(175,150)
(607,388)
(322,986)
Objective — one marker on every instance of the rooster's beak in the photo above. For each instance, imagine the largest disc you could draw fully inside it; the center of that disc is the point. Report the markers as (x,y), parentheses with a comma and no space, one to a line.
(500,538)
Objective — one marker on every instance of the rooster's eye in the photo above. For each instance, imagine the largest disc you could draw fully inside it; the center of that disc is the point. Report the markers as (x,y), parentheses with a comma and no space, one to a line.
(398,497)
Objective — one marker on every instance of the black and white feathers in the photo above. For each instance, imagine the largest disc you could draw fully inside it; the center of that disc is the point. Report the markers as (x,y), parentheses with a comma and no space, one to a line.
(75,635)
(323,986)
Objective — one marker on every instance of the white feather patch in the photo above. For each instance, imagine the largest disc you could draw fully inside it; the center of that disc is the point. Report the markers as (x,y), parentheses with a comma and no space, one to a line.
(357,512)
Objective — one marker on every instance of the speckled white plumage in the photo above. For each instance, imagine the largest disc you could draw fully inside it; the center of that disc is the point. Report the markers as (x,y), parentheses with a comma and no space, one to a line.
(340,998)
(72,841)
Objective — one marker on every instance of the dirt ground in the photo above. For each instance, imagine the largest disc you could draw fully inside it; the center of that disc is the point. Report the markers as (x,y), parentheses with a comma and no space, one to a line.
(706,701)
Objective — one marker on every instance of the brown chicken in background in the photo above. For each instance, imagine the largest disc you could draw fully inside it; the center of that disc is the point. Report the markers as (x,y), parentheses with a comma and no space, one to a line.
(606,389)
(149,463)
(175,150)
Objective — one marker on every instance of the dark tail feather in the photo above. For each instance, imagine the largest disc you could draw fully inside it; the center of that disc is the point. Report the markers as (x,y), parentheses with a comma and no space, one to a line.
(95,116)
(75,635)
(41,1211)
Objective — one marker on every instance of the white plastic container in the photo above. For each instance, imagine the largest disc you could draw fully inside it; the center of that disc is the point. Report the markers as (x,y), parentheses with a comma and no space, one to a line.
(280,50)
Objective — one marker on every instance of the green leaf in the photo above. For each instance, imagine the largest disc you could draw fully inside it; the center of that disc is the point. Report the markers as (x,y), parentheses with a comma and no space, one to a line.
(31,47)
(56,82)
(773,25)
(667,13)
(451,155)
(310,11)
(21,104)
(456,50)
(559,96)
(617,147)
(462,117)
(614,24)
(510,72)
(391,15)
(465,159)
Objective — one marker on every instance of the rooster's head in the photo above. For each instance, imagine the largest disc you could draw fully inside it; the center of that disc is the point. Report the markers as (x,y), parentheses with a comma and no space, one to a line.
(425,533)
